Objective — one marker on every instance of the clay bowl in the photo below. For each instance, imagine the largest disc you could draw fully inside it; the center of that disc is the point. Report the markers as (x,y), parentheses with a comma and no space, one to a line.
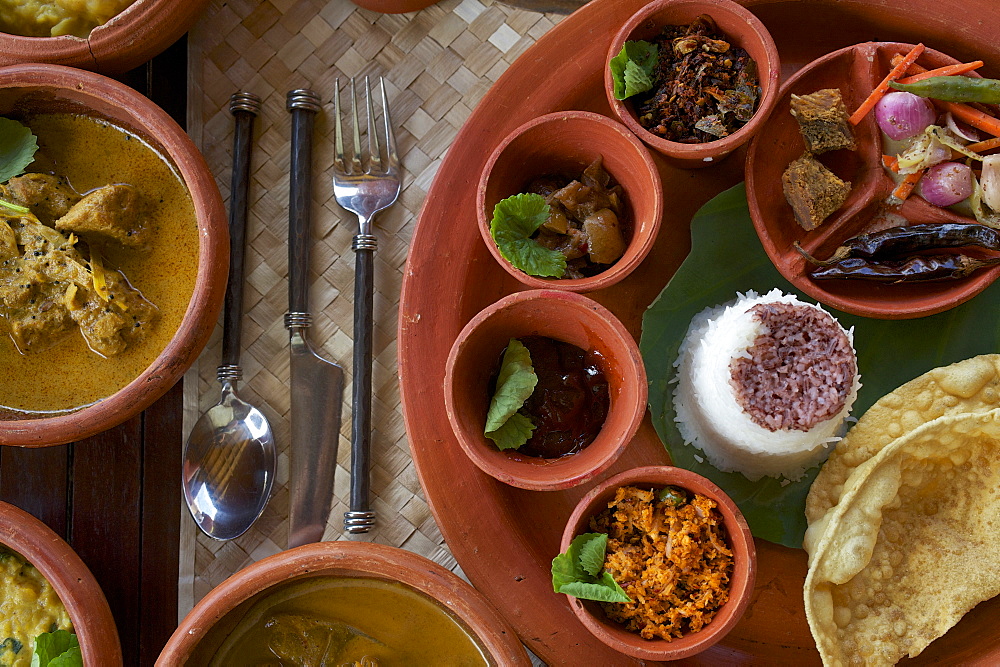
(743,30)
(565,143)
(53,88)
(563,316)
(192,644)
(74,584)
(741,584)
(856,70)
(138,33)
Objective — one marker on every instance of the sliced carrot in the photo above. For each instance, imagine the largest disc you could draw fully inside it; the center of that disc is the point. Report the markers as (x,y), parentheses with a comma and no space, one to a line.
(947,70)
(882,88)
(974,117)
(904,189)
(891,162)
(983,146)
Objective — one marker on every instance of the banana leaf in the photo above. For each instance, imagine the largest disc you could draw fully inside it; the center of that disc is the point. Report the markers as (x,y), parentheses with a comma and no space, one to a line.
(726,257)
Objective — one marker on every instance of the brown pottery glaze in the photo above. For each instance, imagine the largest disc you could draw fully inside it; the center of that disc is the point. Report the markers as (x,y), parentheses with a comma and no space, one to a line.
(74,584)
(451,276)
(138,33)
(742,28)
(38,87)
(740,587)
(855,70)
(347,559)
(566,142)
(563,316)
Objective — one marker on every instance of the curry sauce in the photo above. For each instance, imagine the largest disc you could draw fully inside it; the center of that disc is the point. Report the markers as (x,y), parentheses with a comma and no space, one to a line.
(91,154)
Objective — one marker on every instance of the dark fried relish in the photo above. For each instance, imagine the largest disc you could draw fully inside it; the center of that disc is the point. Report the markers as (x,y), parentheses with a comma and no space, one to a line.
(705,87)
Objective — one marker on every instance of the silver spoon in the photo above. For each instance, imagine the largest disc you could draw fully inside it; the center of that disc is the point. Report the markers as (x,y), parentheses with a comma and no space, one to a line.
(229,459)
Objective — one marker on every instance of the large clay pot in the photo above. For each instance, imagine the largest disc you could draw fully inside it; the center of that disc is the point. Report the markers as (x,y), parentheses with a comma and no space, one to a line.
(55,88)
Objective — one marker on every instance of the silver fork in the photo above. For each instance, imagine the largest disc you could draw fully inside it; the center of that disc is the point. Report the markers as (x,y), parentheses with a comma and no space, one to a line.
(363,190)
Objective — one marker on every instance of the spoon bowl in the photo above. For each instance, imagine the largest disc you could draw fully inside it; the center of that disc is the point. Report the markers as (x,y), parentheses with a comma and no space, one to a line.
(229,466)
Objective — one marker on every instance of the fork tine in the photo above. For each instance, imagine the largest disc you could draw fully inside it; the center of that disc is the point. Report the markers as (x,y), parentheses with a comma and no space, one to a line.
(338,140)
(374,154)
(390,137)
(356,158)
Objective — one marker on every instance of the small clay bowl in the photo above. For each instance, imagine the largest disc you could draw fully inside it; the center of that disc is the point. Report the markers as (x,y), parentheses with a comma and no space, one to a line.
(742,29)
(74,584)
(854,70)
(614,634)
(564,316)
(189,646)
(54,88)
(565,143)
(141,31)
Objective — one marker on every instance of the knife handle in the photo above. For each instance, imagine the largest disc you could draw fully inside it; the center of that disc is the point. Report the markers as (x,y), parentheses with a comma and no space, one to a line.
(303,105)
(244,106)
(361,518)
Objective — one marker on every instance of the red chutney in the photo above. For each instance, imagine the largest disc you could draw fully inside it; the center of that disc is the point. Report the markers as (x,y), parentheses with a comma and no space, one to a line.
(570,402)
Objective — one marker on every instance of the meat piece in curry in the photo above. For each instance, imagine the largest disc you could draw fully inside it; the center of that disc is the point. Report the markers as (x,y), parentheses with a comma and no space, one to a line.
(47,196)
(585,219)
(52,284)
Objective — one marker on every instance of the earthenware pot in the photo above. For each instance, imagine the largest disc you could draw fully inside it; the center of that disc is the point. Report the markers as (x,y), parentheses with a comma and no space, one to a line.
(348,559)
(37,87)
(74,584)
(563,316)
(741,582)
(742,29)
(564,143)
(138,33)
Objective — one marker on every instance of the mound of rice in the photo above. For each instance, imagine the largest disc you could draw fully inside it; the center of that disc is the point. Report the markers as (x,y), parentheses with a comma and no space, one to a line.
(764,384)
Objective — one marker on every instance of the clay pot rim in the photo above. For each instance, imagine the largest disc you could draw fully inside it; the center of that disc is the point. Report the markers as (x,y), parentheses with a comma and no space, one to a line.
(358,559)
(563,473)
(206,301)
(640,244)
(703,154)
(130,38)
(741,586)
(72,580)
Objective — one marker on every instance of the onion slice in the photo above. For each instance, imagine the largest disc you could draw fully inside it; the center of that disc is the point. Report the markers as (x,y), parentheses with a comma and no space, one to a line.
(990,181)
(961,129)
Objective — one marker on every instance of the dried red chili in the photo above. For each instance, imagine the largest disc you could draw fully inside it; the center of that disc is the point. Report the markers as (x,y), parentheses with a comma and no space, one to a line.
(706,88)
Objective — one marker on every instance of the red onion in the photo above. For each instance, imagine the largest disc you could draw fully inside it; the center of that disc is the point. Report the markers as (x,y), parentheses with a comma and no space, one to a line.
(903,115)
(946,183)
(966,132)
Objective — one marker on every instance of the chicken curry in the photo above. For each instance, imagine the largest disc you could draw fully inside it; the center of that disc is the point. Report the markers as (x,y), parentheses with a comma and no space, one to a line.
(96,276)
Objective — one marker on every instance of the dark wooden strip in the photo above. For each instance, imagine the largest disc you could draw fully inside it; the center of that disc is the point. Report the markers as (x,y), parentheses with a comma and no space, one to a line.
(161,499)
(36,480)
(105,522)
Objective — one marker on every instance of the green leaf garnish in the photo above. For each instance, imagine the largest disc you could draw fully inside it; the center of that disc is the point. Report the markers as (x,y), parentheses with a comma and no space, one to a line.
(57,649)
(17,148)
(515,219)
(672,496)
(632,69)
(575,571)
(504,425)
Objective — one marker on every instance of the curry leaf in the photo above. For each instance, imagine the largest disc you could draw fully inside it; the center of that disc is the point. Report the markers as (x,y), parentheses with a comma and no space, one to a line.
(602,592)
(512,433)
(515,219)
(725,247)
(592,554)
(575,571)
(515,383)
(632,69)
(17,148)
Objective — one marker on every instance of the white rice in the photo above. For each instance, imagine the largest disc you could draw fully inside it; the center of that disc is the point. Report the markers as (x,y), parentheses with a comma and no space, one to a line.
(708,414)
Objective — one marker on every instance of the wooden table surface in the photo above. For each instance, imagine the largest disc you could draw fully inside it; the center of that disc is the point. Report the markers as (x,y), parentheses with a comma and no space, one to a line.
(115,497)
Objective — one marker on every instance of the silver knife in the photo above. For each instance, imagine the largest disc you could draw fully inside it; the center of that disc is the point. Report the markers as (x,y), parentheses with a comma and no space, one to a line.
(317,384)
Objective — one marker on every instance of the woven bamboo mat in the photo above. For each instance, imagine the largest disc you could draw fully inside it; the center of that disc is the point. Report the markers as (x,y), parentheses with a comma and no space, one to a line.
(438,63)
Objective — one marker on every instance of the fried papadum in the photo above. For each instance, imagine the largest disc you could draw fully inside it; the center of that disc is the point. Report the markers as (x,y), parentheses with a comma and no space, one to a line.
(906,544)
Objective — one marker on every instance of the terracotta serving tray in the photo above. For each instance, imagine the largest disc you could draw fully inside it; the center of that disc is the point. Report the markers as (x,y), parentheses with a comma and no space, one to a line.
(505,538)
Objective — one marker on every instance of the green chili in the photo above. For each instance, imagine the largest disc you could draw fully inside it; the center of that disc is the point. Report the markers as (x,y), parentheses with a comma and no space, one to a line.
(954,89)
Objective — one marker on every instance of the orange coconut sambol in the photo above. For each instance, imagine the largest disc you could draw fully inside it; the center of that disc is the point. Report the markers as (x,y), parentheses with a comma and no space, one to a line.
(668,549)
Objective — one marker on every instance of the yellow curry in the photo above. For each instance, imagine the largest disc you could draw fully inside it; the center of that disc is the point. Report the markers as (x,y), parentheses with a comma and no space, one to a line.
(340,621)
(88,352)
(52,18)
(29,607)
